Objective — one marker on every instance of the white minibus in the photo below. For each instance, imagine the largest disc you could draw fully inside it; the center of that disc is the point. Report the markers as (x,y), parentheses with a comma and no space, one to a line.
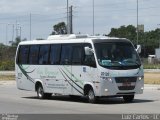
(80,65)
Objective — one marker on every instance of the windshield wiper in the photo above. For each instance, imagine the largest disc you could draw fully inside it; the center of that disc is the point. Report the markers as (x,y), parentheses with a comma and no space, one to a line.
(120,63)
(131,61)
(137,63)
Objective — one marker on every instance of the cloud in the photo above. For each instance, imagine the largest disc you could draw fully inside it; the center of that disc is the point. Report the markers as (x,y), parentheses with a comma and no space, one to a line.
(46,13)
(20,6)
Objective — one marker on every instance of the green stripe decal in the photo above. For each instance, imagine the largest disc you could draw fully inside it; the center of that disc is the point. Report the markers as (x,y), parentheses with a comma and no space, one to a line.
(70,83)
(80,81)
(25,73)
(73,80)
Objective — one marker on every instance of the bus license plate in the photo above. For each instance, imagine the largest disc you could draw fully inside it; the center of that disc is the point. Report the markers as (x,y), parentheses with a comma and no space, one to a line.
(126,84)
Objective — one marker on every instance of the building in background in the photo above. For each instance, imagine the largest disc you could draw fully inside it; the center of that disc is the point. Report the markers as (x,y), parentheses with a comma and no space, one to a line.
(157,51)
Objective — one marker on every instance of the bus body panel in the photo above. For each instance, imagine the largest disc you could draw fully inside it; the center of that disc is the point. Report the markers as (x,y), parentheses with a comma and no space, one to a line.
(109,85)
(57,79)
(71,79)
(25,79)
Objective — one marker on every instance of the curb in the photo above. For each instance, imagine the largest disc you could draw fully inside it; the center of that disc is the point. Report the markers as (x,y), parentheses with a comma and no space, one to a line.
(12,82)
(152,87)
(151,70)
(7,72)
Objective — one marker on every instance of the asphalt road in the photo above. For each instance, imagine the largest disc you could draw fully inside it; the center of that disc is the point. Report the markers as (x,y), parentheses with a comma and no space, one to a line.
(15,101)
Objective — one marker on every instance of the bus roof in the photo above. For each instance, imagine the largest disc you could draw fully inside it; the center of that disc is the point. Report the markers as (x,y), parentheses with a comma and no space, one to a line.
(72,39)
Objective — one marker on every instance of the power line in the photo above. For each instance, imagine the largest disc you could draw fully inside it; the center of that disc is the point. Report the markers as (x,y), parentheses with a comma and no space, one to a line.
(102,16)
(26,16)
(44,20)
(103,5)
(128,9)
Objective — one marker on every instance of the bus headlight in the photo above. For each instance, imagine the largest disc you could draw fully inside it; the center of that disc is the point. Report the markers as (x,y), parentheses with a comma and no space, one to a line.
(110,80)
(140,78)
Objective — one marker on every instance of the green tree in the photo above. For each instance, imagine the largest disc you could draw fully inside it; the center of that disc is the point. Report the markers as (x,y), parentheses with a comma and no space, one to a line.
(59,28)
(16,42)
(128,32)
(2,46)
(149,39)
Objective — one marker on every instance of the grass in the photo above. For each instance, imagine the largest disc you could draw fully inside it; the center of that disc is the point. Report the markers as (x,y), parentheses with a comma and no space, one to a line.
(154,65)
(152,78)
(7,65)
(151,66)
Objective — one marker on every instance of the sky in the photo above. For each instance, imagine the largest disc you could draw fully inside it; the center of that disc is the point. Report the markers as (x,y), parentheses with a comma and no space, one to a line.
(46,13)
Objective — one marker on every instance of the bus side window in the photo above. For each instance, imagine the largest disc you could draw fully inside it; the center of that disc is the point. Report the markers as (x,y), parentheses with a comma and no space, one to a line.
(43,54)
(77,55)
(33,54)
(54,58)
(66,54)
(23,55)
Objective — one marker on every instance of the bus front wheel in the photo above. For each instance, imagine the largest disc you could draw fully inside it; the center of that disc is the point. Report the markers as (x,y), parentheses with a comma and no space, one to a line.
(128,98)
(91,96)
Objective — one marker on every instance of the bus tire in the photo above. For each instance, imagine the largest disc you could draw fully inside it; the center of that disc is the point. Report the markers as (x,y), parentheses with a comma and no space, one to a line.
(128,98)
(91,96)
(41,94)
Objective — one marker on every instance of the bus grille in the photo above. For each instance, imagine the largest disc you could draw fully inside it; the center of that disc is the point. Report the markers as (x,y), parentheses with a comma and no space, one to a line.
(123,80)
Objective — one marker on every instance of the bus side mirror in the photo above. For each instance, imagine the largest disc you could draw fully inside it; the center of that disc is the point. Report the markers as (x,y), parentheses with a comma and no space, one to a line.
(88,51)
(138,49)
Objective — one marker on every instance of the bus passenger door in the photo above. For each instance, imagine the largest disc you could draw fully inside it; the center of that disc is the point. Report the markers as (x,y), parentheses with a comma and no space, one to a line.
(83,69)
(77,70)
(66,68)
(90,70)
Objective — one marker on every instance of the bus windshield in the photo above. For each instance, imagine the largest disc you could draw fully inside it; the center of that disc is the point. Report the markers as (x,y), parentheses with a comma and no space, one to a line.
(117,54)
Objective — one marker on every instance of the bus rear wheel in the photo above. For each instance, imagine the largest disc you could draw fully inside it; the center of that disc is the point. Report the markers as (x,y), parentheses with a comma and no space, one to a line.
(128,98)
(41,94)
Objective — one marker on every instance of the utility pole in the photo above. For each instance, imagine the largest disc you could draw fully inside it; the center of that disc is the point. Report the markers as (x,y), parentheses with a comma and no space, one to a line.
(12,31)
(93,17)
(13,34)
(7,24)
(67,18)
(70,20)
(137,24)
(159,34)
(16,29)
(20,28)
(6,34)
(30,26)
